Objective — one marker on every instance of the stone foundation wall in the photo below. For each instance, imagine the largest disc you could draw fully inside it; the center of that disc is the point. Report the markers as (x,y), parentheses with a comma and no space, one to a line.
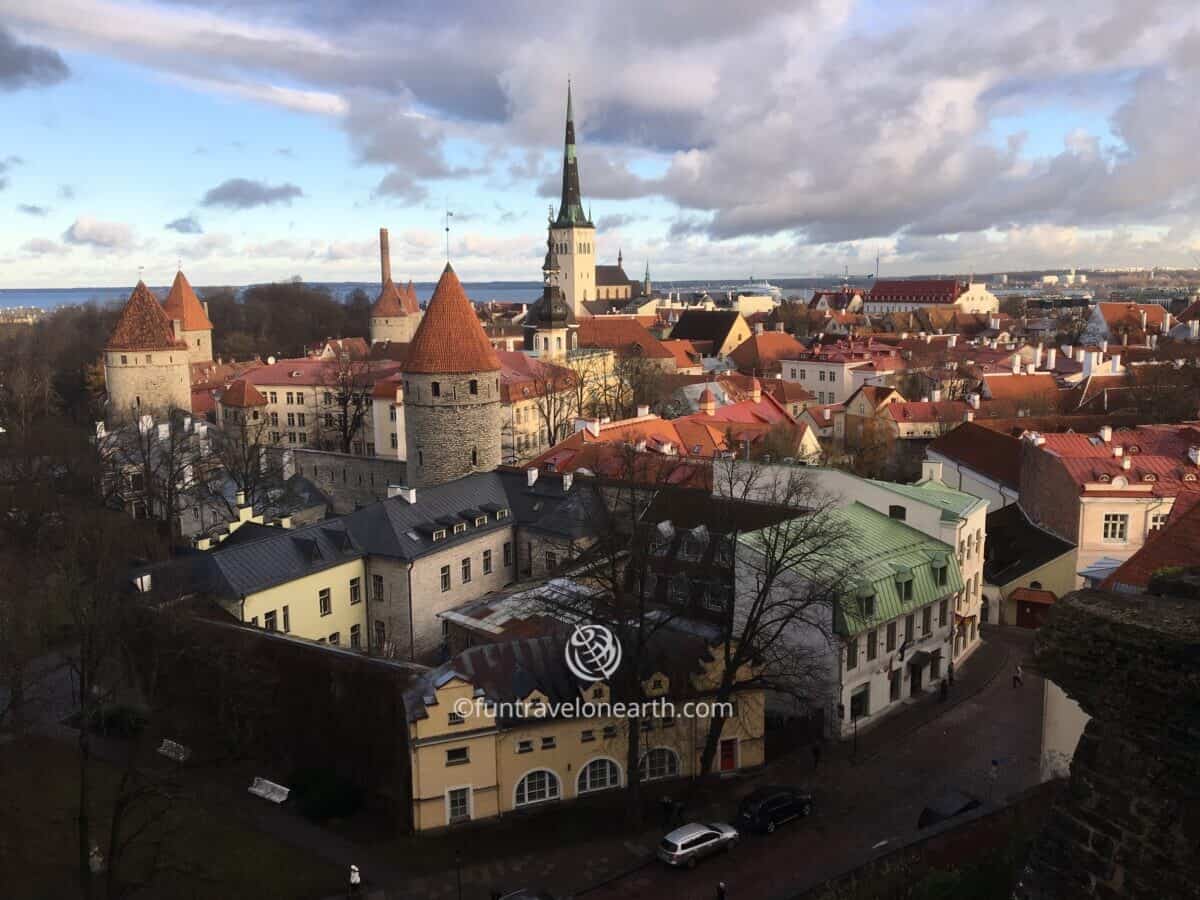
(1129,824)
(349,481)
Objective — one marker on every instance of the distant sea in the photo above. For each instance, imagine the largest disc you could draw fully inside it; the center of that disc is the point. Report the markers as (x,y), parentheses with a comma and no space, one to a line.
(49,298)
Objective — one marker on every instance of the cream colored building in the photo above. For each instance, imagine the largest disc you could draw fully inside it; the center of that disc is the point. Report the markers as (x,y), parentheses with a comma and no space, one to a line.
(479,766)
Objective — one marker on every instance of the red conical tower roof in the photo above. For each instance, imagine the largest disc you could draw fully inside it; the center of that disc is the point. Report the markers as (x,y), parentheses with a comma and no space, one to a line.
(450,338)
(389,304)
(182,303)
(143,324)
(408,298)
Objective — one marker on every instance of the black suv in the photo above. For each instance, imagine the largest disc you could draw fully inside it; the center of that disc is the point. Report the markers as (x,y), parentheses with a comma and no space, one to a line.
(765,808)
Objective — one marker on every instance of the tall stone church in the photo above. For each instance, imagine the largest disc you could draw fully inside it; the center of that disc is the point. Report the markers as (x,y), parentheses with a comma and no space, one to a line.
(573,241)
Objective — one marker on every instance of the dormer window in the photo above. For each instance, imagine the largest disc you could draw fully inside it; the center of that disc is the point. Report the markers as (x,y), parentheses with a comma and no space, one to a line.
(480,520)
(1150,476)
(501,514)
(460,527)
(866,602)
(1104,478)
(439,534)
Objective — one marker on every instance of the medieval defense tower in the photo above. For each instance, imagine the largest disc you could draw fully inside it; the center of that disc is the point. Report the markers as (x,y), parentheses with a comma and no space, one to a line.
(452,417)
(146,360)
(195,329)
(396,312)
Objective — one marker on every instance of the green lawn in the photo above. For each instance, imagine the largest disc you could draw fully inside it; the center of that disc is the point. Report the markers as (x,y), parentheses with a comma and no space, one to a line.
(208,854)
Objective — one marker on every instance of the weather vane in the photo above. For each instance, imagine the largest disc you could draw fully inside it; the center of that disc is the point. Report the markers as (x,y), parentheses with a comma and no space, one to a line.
(449,216)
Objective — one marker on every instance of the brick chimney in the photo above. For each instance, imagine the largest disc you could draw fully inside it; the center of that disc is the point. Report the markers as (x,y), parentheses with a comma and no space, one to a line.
(385,257)
(1051,358)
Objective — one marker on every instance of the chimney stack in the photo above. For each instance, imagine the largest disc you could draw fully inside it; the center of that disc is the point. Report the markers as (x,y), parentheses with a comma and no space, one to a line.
(385,257)
(1037,356)
(1051,358)
(1166,322)
(1116,364)
(1143,320)
(1016,364)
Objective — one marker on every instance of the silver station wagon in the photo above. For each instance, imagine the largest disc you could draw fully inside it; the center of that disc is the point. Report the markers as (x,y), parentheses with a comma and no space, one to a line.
(689,844)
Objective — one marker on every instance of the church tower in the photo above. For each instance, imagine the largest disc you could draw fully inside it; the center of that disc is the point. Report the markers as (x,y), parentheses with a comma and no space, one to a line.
(550,324)
(572,233)
(395,313)
(183,306)
(146,361)
(452,416)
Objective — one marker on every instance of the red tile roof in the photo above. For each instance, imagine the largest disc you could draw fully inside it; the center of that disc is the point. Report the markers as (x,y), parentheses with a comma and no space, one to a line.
(990,453)
(1033,595)
(930,290)
(1157,454)
(761,353)
(242,393)
(309,372)
(143,325)
(450,338)
(625,335)
(385,388)
(1178,544)
(685,353)
(390,303)
(1120,313)
(182,303)
(923,412)
(523,377)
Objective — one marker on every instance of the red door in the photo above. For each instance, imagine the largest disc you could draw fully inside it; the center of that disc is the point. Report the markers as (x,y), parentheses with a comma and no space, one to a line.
(728,754)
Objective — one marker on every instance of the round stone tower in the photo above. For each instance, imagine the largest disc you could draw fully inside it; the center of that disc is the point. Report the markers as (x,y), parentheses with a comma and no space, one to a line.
(183,306)
(452,416)
(146,368)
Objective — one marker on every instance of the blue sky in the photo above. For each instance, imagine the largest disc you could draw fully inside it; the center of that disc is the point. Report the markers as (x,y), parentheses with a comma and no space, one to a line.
(778,138)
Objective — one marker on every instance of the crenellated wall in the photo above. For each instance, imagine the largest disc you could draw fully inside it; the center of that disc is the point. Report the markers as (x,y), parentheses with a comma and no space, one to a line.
(1129,824)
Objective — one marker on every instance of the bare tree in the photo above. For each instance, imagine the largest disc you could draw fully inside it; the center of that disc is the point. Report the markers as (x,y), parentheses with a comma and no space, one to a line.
(241,447)
(345,402)
(556,399)
(779,626)
(616,561)
(154,469)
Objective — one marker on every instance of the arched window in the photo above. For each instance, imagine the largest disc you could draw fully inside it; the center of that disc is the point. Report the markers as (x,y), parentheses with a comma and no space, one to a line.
(558,343)
(1036,585)
(599,775)
(661,762)
(538,786)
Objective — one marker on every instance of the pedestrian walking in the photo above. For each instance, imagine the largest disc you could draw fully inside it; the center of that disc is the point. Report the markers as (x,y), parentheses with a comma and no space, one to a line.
(720,890)
(355,882)
(816,751)
(1018,677)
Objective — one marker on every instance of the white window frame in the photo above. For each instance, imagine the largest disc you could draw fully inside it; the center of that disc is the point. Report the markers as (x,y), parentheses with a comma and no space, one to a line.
(553,788)
(470,803)
(580,789)
(647,776)
(1115,519)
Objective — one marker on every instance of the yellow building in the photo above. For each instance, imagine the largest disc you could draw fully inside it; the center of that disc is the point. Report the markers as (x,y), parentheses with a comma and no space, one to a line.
(488,735)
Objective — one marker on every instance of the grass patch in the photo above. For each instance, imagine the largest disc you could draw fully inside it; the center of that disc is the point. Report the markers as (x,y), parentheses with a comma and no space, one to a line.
(210,852)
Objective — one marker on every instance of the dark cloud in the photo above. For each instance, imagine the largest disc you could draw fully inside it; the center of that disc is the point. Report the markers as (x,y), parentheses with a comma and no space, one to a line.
(185,225)
(31,210)
(27,65)
(615,221)
(243,193)
(42,247)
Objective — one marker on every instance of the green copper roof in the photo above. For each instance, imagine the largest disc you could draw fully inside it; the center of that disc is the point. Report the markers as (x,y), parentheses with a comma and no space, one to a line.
(879,555)
(954,504)
(570,210)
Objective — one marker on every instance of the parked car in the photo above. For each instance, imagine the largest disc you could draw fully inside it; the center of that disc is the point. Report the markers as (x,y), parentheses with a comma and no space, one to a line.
(688,845)
(947,805)
(766,808)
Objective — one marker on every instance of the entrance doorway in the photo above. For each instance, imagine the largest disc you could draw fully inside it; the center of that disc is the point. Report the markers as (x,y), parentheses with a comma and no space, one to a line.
(728,754)
(915,676)
(895,684)
(935,666)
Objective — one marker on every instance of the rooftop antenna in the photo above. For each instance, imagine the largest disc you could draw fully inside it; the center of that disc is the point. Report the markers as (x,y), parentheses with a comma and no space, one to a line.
(449,216)
(179,264)
(140,270)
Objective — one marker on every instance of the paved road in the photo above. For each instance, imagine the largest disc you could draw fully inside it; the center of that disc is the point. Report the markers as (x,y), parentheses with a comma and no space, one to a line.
(878,800)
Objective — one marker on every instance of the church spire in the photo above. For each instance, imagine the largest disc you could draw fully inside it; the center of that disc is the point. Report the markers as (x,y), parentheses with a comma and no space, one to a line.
(570,210)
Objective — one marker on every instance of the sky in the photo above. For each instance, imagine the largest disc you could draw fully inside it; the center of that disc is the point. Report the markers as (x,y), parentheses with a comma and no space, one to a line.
(254,140)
